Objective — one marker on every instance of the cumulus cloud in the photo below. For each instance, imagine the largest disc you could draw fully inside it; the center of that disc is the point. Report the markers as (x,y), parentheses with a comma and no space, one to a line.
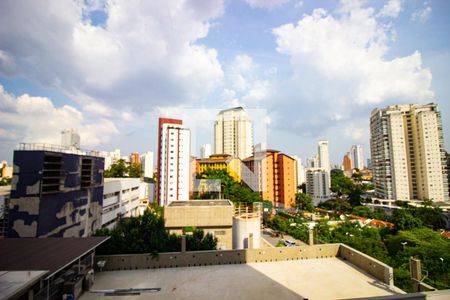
(38,120)
(247,83)
(391,9)
(266,4)
(421,15)
(146,52)
(340,67)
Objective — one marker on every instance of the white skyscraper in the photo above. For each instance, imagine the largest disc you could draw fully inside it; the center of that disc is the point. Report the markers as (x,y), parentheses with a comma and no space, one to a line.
(233,133)
(299,170)
(70,139)
(205,151)
(324,156)
(173,161)
(147,164)
(312,162)
(408,156)
(318,184)
(356,153)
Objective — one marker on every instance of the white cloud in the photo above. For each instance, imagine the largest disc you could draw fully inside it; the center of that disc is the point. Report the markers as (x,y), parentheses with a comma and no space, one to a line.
(39,120)
(391,9)
(146,52)
(246,83)
(421,15)
(266,4)
(340,68)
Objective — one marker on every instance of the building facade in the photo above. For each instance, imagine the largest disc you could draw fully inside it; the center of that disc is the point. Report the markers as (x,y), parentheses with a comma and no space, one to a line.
(70,139)
(233,133)
(134,158)
(120,200)
(205,151)
(272,174)
(55,194)
(347,164)
(356,153)
(221,162)
(147,164)
(317,184)
(407,152)
(323,155)
(174,144)
(299,171)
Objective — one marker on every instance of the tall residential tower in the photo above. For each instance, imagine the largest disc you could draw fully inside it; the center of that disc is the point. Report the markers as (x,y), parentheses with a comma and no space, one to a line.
(408,156)
(174,145)
(356,153)
(233,133)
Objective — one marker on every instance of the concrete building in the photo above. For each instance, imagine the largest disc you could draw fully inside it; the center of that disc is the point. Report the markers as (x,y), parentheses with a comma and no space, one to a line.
(299,171)
(407,151)
(213,216)
(147,164)
(347,164)
(323,155)
(5,192)
(110,157)
(318,185)
(54,193)
(205,151)
(5,170)
(356,153)
(134,158)
(70,139)
(312,162)
(174,148)
(233,133)
(120,200)
(220,162)
(272,174)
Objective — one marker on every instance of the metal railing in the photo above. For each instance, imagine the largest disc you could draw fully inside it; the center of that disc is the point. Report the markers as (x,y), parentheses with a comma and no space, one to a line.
(56,148)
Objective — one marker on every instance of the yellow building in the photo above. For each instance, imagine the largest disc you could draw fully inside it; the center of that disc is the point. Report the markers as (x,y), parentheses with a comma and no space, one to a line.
(221,162)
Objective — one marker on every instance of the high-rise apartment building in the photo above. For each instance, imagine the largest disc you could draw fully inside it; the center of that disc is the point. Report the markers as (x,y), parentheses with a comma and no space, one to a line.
(134,158)
(312,162)
(317,184)
(174,150)
(356,153)
(347,163)
(323,155)
(299,171)
(70,139)
(273,176)
(147,164)
(233,133)
(408,157)
(205,151)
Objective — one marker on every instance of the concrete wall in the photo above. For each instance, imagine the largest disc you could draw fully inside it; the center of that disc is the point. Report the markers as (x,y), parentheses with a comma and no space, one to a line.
(223,235)
(372,266)
(224,257)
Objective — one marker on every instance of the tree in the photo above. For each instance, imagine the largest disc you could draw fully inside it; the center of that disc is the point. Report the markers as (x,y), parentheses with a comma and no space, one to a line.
(134,170)
(404,220)
(5,181)
(116,170)
(304,202)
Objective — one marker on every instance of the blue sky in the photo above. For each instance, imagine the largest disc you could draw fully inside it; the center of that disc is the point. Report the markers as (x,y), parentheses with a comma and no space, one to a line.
(316,69)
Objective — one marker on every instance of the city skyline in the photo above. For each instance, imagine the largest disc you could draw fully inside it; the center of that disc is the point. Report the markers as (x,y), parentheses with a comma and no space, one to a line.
(218,66)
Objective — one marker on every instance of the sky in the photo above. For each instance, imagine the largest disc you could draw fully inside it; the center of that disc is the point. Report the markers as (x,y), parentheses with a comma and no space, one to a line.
(305,70)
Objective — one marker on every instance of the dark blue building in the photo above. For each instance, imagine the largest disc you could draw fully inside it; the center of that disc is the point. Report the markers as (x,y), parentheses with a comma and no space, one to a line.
(55,194)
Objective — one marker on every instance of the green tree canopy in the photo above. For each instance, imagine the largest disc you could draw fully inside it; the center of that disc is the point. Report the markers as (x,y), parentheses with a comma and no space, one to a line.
(304,202)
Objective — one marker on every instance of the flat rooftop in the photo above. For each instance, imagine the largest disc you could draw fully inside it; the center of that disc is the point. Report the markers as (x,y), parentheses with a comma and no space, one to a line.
(328,278)
(50,254)
(13,283)
(207,202)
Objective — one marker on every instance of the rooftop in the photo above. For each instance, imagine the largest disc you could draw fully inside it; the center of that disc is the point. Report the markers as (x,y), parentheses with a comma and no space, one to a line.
(13,283)
(50,254)
(327,278)
(207,202)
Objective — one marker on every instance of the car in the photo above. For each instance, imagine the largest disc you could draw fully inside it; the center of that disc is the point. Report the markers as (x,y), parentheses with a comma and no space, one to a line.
(289,243)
